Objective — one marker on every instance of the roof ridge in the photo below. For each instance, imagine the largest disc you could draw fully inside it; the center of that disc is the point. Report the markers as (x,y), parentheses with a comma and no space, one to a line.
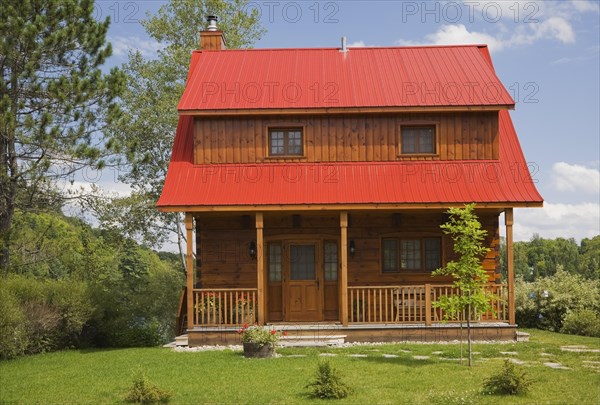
(355,48)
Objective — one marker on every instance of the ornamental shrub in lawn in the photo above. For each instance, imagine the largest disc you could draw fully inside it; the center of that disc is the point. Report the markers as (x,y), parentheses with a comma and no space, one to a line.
(328,383)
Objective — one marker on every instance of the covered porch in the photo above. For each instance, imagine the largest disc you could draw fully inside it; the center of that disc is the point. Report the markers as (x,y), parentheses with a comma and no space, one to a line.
(326,268)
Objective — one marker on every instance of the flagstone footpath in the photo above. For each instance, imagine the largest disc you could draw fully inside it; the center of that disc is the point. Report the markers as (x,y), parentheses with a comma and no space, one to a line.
(512,356)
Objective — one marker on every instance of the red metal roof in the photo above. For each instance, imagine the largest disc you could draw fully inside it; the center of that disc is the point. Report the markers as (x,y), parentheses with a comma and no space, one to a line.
(439,76)
(505,181)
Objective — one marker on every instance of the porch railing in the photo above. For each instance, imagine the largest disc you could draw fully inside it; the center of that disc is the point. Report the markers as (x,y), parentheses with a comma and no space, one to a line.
(225,306)
(415,304)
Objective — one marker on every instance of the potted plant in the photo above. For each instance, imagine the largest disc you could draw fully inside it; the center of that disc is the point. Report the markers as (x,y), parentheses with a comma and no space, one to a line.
(258,341)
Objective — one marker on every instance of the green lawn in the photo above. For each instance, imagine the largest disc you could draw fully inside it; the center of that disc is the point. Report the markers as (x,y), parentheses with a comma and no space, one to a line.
(102,376)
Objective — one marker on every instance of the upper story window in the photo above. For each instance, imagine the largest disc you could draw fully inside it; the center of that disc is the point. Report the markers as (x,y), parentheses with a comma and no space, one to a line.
(417,140)
(399,254)
(286,142)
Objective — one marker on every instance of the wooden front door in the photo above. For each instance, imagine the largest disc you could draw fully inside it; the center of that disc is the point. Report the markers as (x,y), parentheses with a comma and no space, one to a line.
(302,282)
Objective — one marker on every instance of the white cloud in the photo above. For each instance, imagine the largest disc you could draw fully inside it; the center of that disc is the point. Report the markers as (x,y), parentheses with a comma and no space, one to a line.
(558,220)
(585,5)
(506,24)
(357,44)
(575,178)
(121,46)
(565,60)
(457,34)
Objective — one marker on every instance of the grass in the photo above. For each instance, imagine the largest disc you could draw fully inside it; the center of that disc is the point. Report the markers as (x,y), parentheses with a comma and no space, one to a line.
(103,376)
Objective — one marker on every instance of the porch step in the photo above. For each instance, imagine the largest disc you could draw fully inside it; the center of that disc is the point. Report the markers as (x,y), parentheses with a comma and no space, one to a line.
(181,340)
(522,336)
(311,340)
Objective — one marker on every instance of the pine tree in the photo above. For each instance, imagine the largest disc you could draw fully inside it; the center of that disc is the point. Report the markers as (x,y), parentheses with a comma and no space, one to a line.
(54,99)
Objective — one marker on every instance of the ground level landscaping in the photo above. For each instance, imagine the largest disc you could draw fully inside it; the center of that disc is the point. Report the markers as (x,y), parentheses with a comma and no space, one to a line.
(565,369)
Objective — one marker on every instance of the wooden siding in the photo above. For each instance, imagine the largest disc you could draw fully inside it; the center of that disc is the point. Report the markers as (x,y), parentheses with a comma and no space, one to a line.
(224,244)
(330,138)
(366,231)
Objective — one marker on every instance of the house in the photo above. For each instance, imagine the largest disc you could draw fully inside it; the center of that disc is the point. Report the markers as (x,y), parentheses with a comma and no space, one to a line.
(314,182)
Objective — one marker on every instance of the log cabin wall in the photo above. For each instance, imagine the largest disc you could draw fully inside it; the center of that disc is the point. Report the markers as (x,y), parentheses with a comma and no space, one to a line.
(337,138)
(224,244)
(366,230)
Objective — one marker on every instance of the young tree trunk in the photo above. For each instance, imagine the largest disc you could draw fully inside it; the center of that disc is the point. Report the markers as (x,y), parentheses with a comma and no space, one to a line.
(461,342)
(469,343)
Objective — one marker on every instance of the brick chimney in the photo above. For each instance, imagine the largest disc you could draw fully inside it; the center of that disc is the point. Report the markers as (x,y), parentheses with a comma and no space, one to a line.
(212,39)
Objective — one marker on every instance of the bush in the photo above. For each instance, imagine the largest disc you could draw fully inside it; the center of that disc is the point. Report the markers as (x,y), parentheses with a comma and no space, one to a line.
(142,391)
(328,383)
(13,332)
(583,322)
(53,313)
(545,303)
(508,381)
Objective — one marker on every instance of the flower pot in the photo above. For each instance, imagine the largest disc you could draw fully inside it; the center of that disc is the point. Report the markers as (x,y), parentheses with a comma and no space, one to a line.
(258,350)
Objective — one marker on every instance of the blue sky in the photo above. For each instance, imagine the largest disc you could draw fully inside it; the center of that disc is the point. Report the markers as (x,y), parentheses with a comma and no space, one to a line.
(546,53)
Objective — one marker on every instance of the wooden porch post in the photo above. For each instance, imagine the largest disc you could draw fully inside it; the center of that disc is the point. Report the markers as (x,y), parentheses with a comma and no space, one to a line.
(508,221)
(344,268)
(427,304)
(260,269)
(190,268)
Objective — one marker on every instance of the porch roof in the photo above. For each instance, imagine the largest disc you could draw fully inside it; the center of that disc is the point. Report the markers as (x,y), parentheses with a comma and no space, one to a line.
(506,181)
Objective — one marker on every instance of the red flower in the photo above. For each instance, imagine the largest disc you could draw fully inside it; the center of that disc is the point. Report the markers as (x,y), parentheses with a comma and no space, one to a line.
(245,326)
(273,332)
(284,333)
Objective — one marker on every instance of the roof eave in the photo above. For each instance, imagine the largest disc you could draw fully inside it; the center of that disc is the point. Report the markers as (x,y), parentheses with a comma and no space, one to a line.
(344,110)
(343,206)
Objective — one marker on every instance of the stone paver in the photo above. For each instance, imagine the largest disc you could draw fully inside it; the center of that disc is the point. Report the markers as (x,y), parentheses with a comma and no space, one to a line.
(516,361)
(327,354)
(390,356)
(591,364)
(437,353)
(509,353)
(546,354)
(579,349)
(421,357)
(296,355)
(357,355)
(556,366)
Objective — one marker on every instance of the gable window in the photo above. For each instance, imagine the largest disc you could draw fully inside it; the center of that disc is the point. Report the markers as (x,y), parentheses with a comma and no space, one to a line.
(417,140)
(404,254)
(285,142)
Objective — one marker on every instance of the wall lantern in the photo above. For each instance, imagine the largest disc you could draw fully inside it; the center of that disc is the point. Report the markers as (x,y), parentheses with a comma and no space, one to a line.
(352,248)
(252,250)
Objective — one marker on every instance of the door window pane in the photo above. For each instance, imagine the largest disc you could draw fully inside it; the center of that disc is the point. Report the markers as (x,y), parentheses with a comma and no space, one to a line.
(302,262)
(331,261)
(274,262)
